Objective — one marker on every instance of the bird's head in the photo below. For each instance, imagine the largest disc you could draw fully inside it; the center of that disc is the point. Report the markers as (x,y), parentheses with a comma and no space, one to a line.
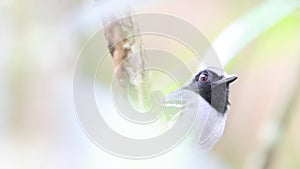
(213,86)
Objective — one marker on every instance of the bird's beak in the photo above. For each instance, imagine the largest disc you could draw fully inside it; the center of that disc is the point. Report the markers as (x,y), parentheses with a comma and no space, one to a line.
(231,78)
(226,80)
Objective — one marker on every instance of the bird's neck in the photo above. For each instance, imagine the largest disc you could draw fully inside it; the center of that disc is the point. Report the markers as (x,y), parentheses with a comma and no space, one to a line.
(220,99)
(217,97)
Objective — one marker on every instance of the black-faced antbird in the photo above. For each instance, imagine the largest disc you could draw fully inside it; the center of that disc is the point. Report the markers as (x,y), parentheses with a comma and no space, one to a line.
(208,95)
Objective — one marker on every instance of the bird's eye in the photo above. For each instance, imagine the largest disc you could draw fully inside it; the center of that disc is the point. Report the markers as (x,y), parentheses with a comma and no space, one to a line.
(203,77)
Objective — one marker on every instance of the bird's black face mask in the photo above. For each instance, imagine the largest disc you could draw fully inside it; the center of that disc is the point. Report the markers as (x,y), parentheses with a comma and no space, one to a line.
(214,88)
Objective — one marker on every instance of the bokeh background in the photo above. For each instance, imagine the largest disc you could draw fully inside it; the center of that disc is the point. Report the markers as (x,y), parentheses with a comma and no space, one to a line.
(41,39)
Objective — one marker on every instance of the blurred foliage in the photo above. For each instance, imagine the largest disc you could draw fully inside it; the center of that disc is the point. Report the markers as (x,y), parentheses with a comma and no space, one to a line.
(40,43)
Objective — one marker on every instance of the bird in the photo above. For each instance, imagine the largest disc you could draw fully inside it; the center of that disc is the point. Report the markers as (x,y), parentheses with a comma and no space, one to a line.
(208,95)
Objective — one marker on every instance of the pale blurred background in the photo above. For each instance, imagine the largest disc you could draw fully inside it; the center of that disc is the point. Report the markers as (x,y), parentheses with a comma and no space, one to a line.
(40,41)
